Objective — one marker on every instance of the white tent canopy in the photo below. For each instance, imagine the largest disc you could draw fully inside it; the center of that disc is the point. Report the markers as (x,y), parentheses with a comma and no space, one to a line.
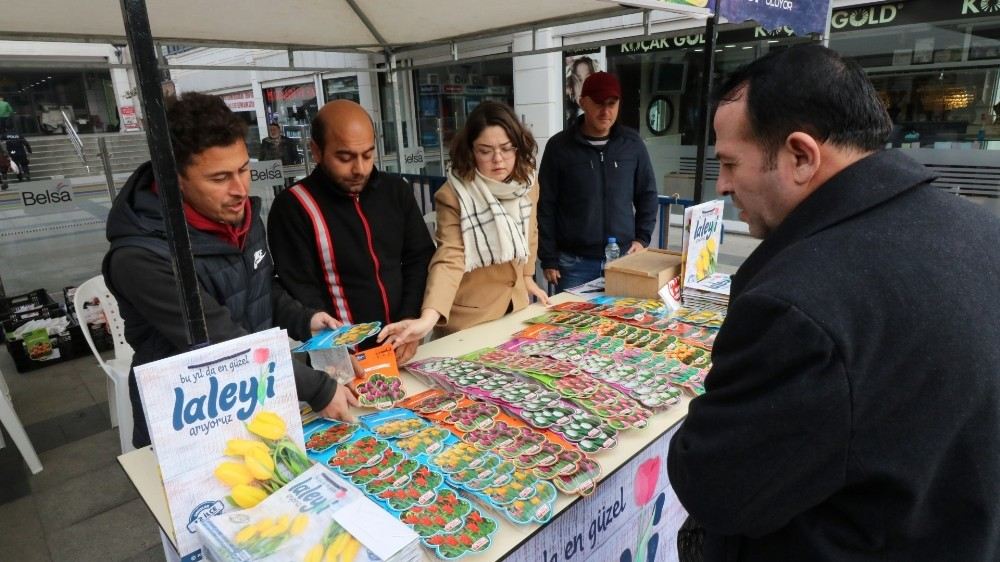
(297,24)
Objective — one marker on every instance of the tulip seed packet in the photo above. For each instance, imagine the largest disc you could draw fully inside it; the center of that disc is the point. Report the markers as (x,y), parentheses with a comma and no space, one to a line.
(380,386)
(325,436)
(317,515)
(433,400)
(348,335)
(538,508)
(217,416)
(566,464)
(363,451)
(400,476)
(475,536)
(583,481)
(445,515)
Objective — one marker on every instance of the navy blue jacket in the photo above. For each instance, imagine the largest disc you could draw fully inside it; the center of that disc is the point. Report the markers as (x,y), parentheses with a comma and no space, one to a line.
(591,193)
(853,409)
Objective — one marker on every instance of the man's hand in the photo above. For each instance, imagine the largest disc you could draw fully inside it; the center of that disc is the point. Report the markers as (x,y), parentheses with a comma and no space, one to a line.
(405,352)
(323,321)
(551,275)
(635,247)
(340,405)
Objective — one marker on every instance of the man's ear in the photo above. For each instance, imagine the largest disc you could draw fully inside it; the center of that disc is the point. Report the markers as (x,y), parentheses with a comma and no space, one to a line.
(317,154)
(806,157)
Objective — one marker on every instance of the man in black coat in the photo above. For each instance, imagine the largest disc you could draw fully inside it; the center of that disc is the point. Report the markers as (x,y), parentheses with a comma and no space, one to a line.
(19,149)
(235,273)
(853,409)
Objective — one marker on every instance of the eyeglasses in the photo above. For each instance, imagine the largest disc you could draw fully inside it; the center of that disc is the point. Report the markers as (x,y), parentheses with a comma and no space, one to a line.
(488,152)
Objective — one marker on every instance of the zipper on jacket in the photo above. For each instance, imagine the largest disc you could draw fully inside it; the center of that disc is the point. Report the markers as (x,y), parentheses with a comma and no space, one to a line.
(371,250)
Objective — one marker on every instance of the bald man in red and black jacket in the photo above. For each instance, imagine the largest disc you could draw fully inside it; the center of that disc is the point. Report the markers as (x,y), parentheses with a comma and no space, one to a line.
(349,239)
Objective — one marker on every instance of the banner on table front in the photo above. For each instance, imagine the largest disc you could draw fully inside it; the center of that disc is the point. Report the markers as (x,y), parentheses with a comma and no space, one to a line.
(634,516)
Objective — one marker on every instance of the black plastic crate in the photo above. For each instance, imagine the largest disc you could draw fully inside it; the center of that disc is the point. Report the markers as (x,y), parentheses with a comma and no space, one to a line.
(19,304)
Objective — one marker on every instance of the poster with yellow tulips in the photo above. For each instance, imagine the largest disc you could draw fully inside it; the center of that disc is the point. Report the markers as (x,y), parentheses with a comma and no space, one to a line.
(702,237)
(225,426)
(317,517)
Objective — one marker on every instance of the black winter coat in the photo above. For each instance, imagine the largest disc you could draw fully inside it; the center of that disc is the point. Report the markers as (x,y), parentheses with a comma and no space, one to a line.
(381,248)
(589,194)
(853,409)
(238,291)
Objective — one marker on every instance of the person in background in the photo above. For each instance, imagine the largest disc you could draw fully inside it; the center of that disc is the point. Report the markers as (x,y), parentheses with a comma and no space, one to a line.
(596,182)
(277,146)
(6,112)
(19,149)
(852,411)
(487,231)
(350,239)
(234,268)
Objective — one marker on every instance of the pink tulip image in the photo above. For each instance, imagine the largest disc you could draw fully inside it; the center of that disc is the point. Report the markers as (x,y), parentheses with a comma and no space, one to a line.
(645,481)
(260,355)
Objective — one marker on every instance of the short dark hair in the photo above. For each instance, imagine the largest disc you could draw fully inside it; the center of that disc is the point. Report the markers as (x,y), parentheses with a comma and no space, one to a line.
(198,122)
(317,131)
(489,114)
(812,89)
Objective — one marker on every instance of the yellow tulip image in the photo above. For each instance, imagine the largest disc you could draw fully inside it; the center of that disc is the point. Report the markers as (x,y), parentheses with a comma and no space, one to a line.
(267,425)
(350,551)
(336,547)
(264,525)
(239,447)
(247,496)
(299,524)
(279,527)
(246,534)
(315,554)
(259,464)
(233,474)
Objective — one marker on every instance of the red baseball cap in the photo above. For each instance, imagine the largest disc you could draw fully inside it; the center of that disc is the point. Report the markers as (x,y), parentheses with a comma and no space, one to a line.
(600,86)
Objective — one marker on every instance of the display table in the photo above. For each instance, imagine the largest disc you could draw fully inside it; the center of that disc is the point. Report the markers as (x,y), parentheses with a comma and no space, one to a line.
(621,515)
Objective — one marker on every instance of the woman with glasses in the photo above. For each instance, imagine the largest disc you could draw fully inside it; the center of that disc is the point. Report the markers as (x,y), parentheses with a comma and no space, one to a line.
(487,230)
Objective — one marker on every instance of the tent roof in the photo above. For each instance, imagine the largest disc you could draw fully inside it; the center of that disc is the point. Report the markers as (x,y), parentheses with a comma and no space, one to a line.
(302,24)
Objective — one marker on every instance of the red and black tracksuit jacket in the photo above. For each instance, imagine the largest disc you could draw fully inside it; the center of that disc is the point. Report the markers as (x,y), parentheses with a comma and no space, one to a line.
(362,258)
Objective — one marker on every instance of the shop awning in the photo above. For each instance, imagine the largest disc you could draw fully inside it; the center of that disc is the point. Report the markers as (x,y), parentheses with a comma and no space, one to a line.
(300,24)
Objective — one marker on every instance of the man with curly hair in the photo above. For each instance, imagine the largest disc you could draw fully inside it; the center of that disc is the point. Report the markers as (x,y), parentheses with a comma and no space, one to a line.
(234,267)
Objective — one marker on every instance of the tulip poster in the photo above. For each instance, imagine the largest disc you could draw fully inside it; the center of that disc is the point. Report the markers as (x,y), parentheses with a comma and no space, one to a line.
(224,422)
(633,517)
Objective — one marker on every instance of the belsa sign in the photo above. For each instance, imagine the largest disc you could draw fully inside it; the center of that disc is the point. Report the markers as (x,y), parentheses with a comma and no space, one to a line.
(46,194)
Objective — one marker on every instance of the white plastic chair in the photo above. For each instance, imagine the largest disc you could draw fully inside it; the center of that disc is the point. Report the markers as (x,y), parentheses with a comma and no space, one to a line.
(10,422)
(117,369)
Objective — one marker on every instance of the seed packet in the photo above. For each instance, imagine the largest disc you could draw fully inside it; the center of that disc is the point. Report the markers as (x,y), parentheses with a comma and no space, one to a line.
(329,435)
(348,334)
(430,440)
(496,437)
(399,477)
(566,464)
(547,417)
(445,515)
(576,386)
(476,415)
(380,391)
(382,469)
(546,454)
(521,486)
(475,536)
(526,442)
(583,481)
(476,479)
(357,454)
(400,429)
(459,457)
(421,489)
(538,508)
(433,400)
(545,332)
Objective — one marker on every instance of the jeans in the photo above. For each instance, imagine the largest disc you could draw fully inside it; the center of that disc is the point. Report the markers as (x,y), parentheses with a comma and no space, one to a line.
(576,270)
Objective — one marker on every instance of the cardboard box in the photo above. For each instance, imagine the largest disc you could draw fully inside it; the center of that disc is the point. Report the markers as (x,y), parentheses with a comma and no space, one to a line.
(641,274)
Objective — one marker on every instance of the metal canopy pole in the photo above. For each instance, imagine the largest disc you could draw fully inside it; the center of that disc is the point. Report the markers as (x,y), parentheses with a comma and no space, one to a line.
(140,42)
(704,119)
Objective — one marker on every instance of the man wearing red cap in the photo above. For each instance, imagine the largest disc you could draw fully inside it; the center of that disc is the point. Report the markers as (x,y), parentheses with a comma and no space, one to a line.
(597,183)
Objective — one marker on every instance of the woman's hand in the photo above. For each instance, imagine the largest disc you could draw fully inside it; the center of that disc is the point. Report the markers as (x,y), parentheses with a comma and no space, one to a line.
(409,331)
(534,289)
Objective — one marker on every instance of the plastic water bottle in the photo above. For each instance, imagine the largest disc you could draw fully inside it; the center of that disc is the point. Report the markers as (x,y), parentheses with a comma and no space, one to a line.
(611,251)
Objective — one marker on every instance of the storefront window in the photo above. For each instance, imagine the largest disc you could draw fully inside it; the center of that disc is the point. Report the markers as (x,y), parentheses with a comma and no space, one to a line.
(39,98)
(939,82)
(244,105)
(344,88)
(291,106)
(450,93)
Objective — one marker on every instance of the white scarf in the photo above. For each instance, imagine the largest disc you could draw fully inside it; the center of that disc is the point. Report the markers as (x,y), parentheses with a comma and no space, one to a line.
(495,219)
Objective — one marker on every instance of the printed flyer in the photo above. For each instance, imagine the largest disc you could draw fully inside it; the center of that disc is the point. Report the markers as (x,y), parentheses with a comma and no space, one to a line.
(199,403)
(702,237)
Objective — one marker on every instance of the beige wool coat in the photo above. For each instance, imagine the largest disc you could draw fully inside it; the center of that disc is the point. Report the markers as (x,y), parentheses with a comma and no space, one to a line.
(484,294)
